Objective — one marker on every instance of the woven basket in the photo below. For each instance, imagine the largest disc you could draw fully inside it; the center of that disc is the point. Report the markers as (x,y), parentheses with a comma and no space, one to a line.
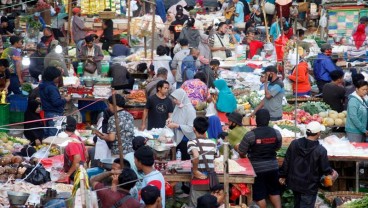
(330,196)
(303,6)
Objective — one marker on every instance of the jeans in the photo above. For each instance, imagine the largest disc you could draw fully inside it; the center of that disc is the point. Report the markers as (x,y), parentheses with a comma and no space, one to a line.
(14,85)
(304,200)
(50,123)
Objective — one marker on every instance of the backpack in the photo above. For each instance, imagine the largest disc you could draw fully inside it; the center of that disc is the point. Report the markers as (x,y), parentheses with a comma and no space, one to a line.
(188,70)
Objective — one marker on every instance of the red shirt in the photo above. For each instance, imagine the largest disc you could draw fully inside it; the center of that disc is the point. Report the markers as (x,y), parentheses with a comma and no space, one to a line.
(289,33)
(74,148)
(254,45)
(109,198)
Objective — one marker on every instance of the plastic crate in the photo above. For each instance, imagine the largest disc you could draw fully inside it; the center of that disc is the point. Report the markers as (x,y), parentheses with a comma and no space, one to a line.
(16,117)
(18,103)
(137,114)
(4,116)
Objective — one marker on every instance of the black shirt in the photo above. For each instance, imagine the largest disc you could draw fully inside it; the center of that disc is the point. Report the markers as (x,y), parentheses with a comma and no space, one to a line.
(5,74)
(177,26)
(334,96)
(158,111)
(108,32)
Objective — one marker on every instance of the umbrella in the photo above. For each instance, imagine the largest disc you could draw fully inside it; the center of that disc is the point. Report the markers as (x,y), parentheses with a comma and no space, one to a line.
(283,2)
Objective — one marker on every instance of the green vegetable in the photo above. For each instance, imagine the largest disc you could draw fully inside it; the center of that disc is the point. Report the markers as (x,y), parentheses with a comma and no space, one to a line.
(287,199)
(290,128)
(3,135)
(314,107)
(281,152)
(359,203)
(288,108)
(27,87)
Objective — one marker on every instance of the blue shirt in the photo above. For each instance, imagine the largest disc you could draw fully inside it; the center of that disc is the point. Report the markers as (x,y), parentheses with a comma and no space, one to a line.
(160,10)
(275,31)
(322,67)
(239,9)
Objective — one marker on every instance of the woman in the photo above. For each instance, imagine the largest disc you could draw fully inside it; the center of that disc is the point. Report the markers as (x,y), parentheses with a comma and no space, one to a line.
(163,60)
(226,101)
(190,33)
(356,121)
(35,135)
(167,35)
(182,121)
(47,37)
(304,86)
(214,128)
(196,89)
(358,42)
(107,35)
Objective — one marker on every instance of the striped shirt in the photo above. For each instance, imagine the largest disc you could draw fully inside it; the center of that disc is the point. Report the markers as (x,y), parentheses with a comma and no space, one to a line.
(207,146)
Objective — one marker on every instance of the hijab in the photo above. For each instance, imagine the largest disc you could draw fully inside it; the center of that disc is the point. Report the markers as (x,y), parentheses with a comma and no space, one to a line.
(226,101)
(214,128)
(184,115)
(262,117)
(359,36)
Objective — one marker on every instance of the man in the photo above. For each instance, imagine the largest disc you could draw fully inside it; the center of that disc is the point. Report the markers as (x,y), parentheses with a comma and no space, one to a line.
(120,197)
(177,61)
(13,56)
(36,67)
(126,123)
(260,146)
(274,93)
(121,78)
(210,72)
(207,201)
(305,163)
(151,86)
(37,17)
(56,59)
(255,46)
(300,41)
(158,107)
(151,197)
(188,67)
(334,92)
(236,129)
(93,52)
(121,49)
(79,30)
(4,75)
(53,103)
(239,12)
(219,192)
(177,25)
(4,31)
(197,147)
(144,160)
(323,66)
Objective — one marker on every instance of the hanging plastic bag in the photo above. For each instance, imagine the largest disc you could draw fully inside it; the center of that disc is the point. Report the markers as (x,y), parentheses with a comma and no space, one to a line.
(211,110)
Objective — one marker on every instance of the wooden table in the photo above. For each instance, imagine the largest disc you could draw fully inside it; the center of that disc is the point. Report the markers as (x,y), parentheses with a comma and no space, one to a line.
(248,179)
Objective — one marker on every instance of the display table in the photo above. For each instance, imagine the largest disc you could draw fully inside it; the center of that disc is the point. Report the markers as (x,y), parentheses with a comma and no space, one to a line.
(247,177)
(356,159)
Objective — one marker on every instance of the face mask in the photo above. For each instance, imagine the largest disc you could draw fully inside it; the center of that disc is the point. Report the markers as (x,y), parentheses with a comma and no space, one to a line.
(232,126)
(270,78)
(195,58)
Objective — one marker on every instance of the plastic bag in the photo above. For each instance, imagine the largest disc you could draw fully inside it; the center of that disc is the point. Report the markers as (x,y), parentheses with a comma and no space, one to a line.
(211,110)
(42,153)
(39,176)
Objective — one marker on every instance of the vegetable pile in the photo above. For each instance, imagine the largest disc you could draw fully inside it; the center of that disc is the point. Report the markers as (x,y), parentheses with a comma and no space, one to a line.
(314,107)
(351,202)
(333,118)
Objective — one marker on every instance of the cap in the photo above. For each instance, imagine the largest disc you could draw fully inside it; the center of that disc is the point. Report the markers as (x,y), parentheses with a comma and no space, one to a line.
(76,10)
(235,117)
(270,69)
(179,8)
(207,201)
(326,46)
(138,142)
(124,41)
(150,194)
(315,127)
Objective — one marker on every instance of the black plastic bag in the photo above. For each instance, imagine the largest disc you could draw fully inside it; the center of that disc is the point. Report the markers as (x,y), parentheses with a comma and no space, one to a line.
(39,176)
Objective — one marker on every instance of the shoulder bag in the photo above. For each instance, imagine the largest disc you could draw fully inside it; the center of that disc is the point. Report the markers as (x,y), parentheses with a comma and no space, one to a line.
(227,51)
(90,66)
(122,201)
(210,181)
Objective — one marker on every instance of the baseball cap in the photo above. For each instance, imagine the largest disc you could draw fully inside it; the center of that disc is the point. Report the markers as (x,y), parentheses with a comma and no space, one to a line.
(179,8)
(76,10)
(124,41)
(315,127)
(326,46)
(270,69)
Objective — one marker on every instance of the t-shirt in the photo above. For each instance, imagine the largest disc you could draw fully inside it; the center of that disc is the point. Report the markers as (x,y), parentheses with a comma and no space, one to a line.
(207,146)
(334,96)
(13,56)
(109,198)
(158,111)
(126,123)
(77,29)
(74,148)
(5,74)
(177,26)
(254,47)
(274,104)
(239,9)
(155,178)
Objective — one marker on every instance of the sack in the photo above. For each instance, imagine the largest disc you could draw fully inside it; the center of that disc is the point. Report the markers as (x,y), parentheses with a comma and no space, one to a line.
(90,66)
(269,8)
(39,176)
(228,53)
(303,6)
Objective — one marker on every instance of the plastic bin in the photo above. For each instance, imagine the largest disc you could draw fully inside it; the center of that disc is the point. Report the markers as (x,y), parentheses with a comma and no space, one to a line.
(4,116)
(18,103)
(16,117)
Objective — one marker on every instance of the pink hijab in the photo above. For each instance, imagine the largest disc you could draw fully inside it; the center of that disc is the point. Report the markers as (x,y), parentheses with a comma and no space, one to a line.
(359,36)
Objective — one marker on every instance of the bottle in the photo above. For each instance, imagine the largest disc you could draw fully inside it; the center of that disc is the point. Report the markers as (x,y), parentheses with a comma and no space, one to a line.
(80,68)
(178,155)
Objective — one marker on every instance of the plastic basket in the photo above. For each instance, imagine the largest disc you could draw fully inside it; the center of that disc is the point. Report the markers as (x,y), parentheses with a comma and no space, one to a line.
(16,117)
(137,114)
(18,103)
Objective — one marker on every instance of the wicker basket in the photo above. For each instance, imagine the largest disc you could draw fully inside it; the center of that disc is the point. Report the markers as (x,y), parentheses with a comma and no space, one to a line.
(330,196)
(303,6)
(107,15)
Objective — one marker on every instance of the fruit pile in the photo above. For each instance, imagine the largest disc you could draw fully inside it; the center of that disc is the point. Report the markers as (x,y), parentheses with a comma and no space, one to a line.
(54,150)
(9,144)
(333,118)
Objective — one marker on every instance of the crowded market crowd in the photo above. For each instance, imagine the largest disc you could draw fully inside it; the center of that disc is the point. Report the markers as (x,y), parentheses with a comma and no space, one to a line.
(184,75)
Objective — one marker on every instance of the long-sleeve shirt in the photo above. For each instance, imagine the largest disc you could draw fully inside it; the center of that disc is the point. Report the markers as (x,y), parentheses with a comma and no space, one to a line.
(322,67)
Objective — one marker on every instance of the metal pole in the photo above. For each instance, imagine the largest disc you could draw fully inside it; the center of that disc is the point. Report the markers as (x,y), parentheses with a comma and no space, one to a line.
(296,84)
(153,6)
(118,136)
(69,24)
(226,173)
(128,9)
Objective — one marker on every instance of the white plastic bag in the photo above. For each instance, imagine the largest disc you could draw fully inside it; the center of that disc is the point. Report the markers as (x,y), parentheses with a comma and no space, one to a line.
(42,153)
(211,110)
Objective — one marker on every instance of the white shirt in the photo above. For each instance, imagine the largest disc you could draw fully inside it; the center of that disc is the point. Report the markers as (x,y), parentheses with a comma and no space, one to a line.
(164,61)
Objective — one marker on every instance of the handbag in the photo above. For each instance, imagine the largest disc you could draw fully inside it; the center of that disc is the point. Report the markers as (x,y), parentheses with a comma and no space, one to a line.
(90,66)
(210,181)
(227,51)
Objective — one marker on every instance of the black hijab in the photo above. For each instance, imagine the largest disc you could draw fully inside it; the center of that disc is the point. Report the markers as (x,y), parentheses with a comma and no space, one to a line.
(262,117)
